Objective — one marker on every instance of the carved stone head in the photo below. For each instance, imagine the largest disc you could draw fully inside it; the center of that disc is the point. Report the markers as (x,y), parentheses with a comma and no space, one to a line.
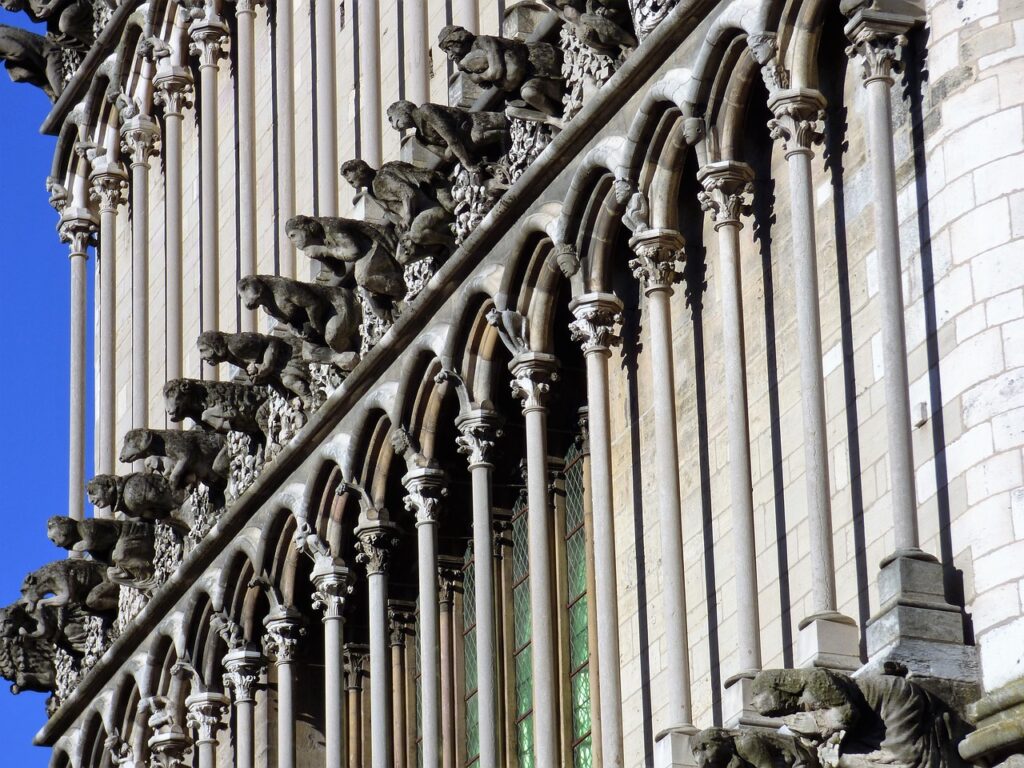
(304,231)
(623,190)
(102,491)
(212,346)
(781,692)
(62,531)
(253,291)
(137,445)
(358,173)
(713,748)
(400,115)
(183,397)
(455,41)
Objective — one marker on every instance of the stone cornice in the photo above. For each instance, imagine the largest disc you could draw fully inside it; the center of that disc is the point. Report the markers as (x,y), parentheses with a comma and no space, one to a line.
(564,149)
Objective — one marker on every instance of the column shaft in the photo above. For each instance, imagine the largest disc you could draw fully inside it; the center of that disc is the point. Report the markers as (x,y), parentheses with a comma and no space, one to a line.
(285,132)
(380,705)
(106,453)
(335,686)
(285,715)
(325,26)
(417,68)
(426,536)
(483,563)
(173,242)
(447,688)
(140,293)
(207,753)
(76,466)
(245,13)
(369,81)
(398,702)
(467,14)
(244,734)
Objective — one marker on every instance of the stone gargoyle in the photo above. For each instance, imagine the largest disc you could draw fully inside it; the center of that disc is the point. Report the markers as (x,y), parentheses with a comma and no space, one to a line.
(743,748)
(57,595)
(867,722)
(33,59)
(127,548)
(27,662)
(529,74)
(273,361)
(194,455)
(138,495)
(453,134)
(353,251)
(221,406)
(603,25)
(418,201)
(69,23)
(320,314)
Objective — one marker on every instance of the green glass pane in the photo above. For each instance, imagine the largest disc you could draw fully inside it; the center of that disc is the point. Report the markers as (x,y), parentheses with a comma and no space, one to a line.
(521,618)
(576,559)
(469,647)
(574,496)
(469,596)
(524,742)
(472,728)
(580,704)
(579,646)
(520,548)
(582,755)
(524,683)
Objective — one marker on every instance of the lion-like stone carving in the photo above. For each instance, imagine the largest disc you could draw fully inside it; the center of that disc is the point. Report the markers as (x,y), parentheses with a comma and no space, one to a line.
(93,536)
(876,720)
(323,315)
(222,406)
(353,251)
(27,662)
(741,748)
(418,201)
(273,361)
(528,73)
(194,455)
(453,134)
(71,583)
(138,496)
(128,548)
(33,59)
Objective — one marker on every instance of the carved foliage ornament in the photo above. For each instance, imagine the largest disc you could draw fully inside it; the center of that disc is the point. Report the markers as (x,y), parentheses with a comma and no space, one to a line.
(724,196)
(879,54)
(477,441)
(798,120)
(594,327)
(655,263)
(531,383)
(205,716)
(329,592)
(373,549)
(282,638)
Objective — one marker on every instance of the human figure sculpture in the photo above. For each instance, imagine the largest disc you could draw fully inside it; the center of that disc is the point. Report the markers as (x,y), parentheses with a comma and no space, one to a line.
(33,59)
(353,251)
(417,201)
(222,406)
(93,536)
(273,361)
(27,662)
(530,73)
(323,315)
(194,455)
(138,495)
(867,722)
(68,22)
(452,133)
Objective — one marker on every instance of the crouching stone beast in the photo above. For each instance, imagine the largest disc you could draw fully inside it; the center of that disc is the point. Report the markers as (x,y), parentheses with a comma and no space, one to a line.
(222,406)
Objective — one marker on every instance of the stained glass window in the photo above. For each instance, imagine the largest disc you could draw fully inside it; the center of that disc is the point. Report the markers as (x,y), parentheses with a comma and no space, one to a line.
(521,622)
(576,570)
(470,658)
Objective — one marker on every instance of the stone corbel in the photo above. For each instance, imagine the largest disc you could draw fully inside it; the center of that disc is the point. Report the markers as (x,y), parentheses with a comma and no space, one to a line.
(764,50)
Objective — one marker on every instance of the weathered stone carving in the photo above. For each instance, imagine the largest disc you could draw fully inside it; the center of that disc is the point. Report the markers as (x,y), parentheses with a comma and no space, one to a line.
(221,406)
(741,748)
(512,329)
(648,14)
(585,70)
(417,201)
(27,662)
(603,25)
(138,496)
(61,597)
(529,73)
(273,361)
(193,455)
(875,720)
(33,59)
(127,548)
(451,133)
(322,315)
(69,23)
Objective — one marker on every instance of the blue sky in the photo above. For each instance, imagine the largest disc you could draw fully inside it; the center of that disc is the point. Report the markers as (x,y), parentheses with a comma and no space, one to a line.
(34,318)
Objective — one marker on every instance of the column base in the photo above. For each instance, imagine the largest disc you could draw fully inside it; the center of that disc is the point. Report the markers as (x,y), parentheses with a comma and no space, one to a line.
(915,626)
(828,640)
(737,710)
(998,738)
(672,748)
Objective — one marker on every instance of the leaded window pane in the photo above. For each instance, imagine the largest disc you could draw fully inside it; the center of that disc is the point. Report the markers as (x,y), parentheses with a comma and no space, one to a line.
(581,704)
(582,754)
(579,648)
(524,742)
(472,729)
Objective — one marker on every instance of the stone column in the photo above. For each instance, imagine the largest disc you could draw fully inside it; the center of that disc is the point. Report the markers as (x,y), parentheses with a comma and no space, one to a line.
(467,14)
(285,627)
(209,43)
(205,716)
(245,15)
(417,66)
(331,585)
(109,183)
(827,638)
(532,374)
(325,30)
(76,228)
(657,251)
(243,669)
(597,314)
(400,616)
(478,432)
(354,655)
(374,552)
(139,137)
(449,574)
(370,113)
(724,186)
(284,69)
(426,487)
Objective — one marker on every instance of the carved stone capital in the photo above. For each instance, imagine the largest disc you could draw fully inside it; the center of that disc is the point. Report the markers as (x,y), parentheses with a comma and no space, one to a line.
(532,376)
(205,714)
(209,34)
(354,658)
(877,37)
(479,430)
(797,122)
(449,578)
(500,527)
(108,184)
(426,488)
(243,670)
(169,748)
(332,583)
(764,49)
(173,89)
(374,546)
(401,621)
(657,251)
(246,7)
(140,137)
(75,228)
(285,628)
(597,315)
(725,185)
